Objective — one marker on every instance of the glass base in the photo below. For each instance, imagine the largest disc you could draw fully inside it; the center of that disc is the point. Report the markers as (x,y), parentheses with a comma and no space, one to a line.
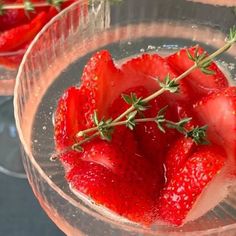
(10,154)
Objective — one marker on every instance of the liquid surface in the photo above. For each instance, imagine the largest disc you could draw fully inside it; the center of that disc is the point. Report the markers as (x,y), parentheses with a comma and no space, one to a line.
(43,133)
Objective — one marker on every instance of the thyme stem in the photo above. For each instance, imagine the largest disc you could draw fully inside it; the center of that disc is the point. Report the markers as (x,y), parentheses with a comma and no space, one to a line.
(117,121)
(183,75)
(14,6)
(120,123)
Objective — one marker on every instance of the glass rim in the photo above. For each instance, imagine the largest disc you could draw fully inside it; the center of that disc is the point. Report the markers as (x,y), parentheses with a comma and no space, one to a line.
(126,226)
(12,53)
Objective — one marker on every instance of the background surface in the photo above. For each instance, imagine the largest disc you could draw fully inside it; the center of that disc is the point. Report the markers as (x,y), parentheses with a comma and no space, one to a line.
(20,213)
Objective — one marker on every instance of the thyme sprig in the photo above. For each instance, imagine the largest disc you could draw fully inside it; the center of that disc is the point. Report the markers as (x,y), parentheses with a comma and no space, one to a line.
(198,134)
(103,126)
(198,59)
(169,85)
(106,127)
(29,6)
(138,103)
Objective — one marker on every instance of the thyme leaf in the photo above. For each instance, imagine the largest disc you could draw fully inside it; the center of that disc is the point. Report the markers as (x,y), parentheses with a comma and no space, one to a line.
(104,128)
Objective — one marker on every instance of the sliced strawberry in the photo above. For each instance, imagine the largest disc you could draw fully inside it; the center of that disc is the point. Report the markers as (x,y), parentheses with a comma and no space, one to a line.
(109,190)
(218,111)
(112,155)
(186,186)
(11,62)
(100,74)
(144,70)
(19,28)
(16,17)
(113,176)
(98,151)
(147,69)
(16,37)
(76,107)
(150,139)
(177,155)
(69,159)
(73,114)
(101,77)
(118,191)
(181,148)
(200,83)
(13,18)
(99,183)
(114,173)
(108,155)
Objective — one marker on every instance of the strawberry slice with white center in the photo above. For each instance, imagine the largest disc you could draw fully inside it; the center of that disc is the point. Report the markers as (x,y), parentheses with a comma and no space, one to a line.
(183,197)
(201,84)
(112,173)
(106,81)
(218,111)
(119,174)
(150,69)
(103,78)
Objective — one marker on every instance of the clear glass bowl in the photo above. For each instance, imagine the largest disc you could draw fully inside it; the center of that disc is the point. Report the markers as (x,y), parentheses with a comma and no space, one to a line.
(9,63)
(10,157)
(55,60)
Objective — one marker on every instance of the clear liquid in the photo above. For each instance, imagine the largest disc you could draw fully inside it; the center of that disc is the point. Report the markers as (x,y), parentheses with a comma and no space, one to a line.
(166,25)
(42,130)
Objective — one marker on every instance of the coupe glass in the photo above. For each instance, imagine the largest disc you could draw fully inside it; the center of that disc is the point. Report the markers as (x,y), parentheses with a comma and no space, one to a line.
(10,156)
(55,61)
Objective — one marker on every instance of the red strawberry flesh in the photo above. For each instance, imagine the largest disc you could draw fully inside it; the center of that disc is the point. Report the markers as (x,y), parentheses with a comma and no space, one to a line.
(186,185)
(18,28)
(177,155)
(114,192)
(126,175)
(148,69)
(218,111)
(12,39)
(200,83)
(70,117)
